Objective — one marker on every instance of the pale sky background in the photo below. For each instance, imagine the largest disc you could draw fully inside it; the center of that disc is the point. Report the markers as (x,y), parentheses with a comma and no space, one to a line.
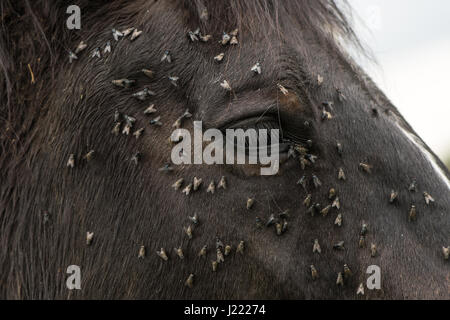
(411,42)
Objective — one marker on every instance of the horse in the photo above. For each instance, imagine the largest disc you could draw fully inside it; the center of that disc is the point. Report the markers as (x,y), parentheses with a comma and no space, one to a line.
(87,177)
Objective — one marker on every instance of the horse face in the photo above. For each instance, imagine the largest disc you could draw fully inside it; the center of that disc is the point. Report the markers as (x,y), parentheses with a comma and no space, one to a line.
(341,196)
